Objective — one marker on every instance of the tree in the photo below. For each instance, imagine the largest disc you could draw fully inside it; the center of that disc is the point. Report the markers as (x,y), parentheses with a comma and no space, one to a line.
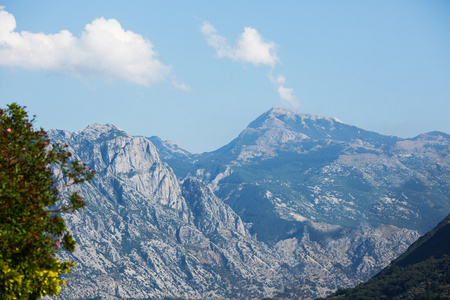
(34,191)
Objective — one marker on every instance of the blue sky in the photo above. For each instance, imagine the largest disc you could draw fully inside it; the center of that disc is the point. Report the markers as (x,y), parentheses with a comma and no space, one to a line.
(198,72)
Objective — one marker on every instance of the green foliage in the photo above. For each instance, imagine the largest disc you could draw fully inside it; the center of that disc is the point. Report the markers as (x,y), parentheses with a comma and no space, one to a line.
(33,176)
(424,280)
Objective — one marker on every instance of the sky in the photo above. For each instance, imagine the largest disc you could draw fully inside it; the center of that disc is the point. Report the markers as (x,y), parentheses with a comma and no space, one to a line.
(198,72)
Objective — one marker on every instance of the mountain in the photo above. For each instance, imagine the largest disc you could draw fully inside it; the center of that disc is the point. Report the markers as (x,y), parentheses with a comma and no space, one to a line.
(422,272)
(294,201)
(305,167)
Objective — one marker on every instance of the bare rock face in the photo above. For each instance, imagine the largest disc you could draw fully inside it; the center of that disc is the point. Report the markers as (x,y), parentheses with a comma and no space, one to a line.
(330,257)
(211,213)
(147,234)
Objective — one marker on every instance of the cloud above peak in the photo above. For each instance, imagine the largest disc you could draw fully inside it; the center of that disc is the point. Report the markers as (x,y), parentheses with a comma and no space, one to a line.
(103,50)
(250,46)
(286,94)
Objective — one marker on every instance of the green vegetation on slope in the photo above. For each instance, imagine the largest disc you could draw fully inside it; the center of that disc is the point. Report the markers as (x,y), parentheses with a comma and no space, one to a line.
(422,272)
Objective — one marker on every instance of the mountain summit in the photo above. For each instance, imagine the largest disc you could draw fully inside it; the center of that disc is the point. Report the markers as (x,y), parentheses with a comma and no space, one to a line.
(283,130)
(312,126)
(102,132)
(289,119)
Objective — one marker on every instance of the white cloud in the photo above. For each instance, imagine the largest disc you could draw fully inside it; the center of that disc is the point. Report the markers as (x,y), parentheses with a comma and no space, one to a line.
(104,49)
(286,94)
(250,47)
(181,86)
(280,80)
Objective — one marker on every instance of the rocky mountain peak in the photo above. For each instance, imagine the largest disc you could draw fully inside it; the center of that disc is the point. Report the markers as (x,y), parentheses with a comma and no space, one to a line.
(283,130)
(168,149)
(284,118)
(101,132)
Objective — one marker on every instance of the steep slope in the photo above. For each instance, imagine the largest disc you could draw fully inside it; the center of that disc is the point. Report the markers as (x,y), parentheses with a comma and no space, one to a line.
(179,159)
(423,271)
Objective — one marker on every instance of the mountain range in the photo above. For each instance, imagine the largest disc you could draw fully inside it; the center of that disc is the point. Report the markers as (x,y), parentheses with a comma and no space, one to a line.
(296,200)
